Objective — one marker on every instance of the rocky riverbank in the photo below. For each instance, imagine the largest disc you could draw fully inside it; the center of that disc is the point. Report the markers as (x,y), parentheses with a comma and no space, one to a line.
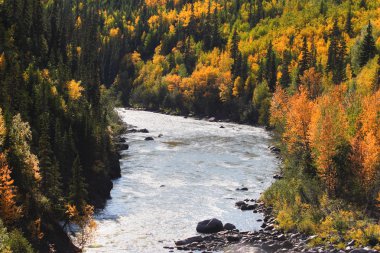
(267,239)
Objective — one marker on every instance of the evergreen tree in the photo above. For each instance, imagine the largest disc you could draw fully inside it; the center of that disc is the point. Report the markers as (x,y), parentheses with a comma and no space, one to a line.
(78,191)
(367,47)
(323,8)
(363,4)
(348,26)
(215,29)
(336,62)
(271,68)
(235,51)
(285,79)
(51,179)
(305,57)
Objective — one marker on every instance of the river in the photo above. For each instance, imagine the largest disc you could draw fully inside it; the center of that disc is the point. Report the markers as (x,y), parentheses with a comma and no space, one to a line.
(189,174)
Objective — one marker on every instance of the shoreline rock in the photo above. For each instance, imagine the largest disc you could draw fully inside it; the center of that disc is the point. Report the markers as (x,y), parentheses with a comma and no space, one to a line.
(266,239)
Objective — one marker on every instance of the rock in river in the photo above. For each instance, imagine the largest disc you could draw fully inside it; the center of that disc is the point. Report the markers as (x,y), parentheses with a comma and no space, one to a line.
(210,226)
(229,226)
(149,139)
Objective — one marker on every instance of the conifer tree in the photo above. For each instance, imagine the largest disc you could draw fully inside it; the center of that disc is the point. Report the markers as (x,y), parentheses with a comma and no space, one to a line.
(270,71)
(348,25)
(305,57)
(285,79)
(77,188)
(51,179)
(336,62)
(235,51)
(323,8)
(367,47)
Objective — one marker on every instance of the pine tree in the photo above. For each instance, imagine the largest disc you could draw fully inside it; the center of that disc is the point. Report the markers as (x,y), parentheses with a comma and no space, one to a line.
(270,71)
(51,179)
(305,57)
(285,79)
(323,8)
(77,188)
(363,4)
(336,62)
(348,26)
(367,47)
(215,29)
(235,51)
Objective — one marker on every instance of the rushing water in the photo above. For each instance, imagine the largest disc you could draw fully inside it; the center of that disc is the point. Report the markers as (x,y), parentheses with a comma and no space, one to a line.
(189,174)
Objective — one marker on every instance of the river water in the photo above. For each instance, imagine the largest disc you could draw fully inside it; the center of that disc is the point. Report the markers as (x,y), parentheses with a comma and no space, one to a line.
(189,174)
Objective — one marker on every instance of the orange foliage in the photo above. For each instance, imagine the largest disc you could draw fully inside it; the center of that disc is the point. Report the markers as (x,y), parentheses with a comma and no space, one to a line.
(2,128)
(328,131)
(279,108)
(9,211)
(154,3)
(297,123)
(75,89)
(366,143)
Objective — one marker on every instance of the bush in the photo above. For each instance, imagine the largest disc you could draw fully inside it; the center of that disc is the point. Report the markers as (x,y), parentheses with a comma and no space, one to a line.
(18,243)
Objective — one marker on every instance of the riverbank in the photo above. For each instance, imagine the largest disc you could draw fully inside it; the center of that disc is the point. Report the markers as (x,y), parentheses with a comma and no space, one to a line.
(268,239)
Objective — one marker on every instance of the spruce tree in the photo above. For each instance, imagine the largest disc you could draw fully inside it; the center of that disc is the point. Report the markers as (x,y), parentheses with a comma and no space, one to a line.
(348,25)
(367,47)
(235,51)
(51,178)
(305,57)
(323,8)
(285,79)
(271,68)
(77,188)
(336,62)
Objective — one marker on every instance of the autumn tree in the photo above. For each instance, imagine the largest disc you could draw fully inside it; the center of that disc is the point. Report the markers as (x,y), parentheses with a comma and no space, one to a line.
(297,126)
(9,211)
(328,136)
(366,145)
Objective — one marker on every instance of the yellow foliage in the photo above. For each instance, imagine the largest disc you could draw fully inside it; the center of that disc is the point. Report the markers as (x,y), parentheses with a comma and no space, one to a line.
(78,23)
(84,219)
(114,32)
(154,3)
(74,89)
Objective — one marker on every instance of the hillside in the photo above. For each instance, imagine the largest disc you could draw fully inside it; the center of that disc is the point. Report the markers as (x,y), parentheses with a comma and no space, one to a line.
(307,69)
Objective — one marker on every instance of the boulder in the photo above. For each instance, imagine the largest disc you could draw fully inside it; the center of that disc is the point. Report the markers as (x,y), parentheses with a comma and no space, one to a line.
(210,226)
(242,189)
(229,226)
(278,177)
(240,203)
(149,138)
(122,146)
(221,127)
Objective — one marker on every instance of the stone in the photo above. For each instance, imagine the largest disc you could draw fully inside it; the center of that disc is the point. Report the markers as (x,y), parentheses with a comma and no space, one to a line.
(229,226)
(149,138)
(210,226)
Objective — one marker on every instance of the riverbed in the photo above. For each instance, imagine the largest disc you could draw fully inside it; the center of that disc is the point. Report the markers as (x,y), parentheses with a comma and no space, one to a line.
(188,174)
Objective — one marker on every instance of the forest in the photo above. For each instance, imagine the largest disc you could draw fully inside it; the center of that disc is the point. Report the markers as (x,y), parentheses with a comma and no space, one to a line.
(309,70)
